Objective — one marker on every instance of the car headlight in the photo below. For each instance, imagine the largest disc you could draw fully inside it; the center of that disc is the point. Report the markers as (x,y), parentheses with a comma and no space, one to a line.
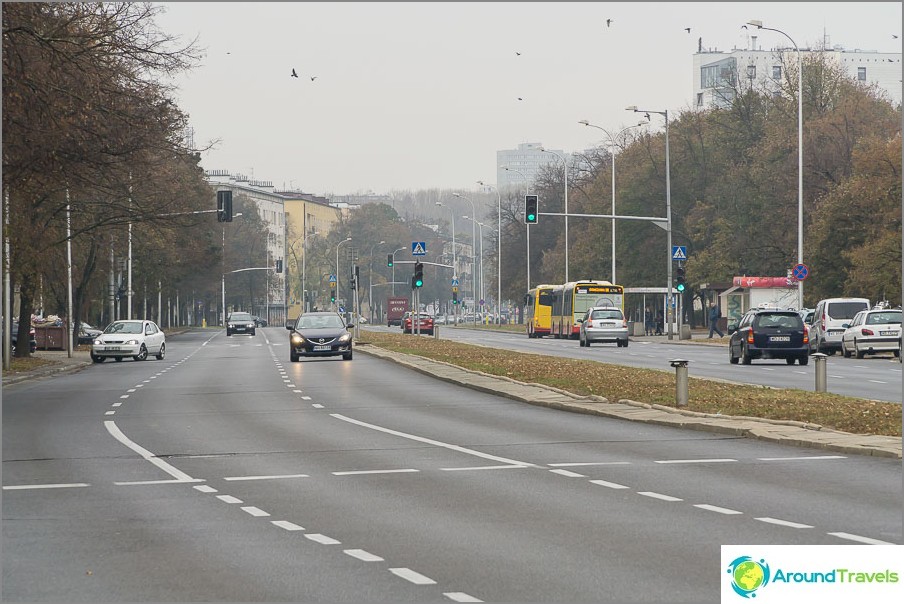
(132,342)
(231,325)
(296,339)
(345,337)
(98,342)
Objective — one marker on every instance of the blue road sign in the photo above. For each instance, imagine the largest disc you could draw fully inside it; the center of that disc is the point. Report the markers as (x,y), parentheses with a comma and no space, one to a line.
(418,248)
(679,252)
(455,282)
(800,272)
(332,278)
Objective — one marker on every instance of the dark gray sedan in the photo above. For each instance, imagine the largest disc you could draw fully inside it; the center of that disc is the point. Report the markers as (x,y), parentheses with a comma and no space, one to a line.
(319,334)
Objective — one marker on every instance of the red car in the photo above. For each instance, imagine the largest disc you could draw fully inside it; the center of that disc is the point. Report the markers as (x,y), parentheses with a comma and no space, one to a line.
(425,322)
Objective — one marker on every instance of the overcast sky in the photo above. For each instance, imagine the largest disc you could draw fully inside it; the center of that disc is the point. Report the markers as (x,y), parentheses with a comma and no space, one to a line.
(422,95)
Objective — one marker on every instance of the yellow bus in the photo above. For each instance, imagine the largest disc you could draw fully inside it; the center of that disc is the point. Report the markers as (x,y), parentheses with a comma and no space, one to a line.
(537,311)
(571,300)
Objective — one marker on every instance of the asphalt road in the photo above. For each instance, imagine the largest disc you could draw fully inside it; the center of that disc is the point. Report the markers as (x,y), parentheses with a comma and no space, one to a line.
(227,473)
(874,377)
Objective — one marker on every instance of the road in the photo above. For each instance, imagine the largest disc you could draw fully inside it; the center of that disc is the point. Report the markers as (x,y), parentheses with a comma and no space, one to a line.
(227,473)
(875,377)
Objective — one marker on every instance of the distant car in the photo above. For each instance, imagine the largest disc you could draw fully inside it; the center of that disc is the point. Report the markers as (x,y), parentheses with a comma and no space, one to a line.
(259,322)
(765,333)
(424,324)
(32,337)
(807,314)
(872,332)
(135,338)
(241,322)
(87,333)
(319,334)
(603,324)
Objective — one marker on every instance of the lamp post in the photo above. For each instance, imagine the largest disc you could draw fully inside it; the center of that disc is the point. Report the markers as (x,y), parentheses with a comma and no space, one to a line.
(370,289)
(393,267)
(454,259)
(668,211)
(304,253)
(480,226)
(473,244)
(800,155)
(498,249)
(612,153)
(526,192)
(565,166)
(347,239)
(223,282)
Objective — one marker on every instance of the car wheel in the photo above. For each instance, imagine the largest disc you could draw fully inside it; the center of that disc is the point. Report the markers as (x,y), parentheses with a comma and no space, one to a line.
(293,357)
(228,333)
(142,353)
(162,352)
(97,359)
(844,351)
(857,352)
(347,356)
(253,332)
(625,343)
(897,353)
(803,360)
(745,356)
(732,358)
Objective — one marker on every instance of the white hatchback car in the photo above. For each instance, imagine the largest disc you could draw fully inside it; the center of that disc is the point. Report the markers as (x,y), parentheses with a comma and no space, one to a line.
(872,332)
(135,338)
(604,324)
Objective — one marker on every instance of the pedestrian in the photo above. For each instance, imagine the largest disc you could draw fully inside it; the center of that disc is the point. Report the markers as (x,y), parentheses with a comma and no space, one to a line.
(648,324)
(660,322)
(714,316)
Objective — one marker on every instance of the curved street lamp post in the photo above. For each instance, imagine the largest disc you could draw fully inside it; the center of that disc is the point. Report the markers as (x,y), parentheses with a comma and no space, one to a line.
(347,239)
(498,249)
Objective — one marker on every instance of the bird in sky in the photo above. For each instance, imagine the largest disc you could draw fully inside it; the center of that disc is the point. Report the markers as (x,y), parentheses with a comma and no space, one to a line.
(687,29)
(313,78)
(894,36)
(294,75)
(519,54)
(609,22)
(520,99)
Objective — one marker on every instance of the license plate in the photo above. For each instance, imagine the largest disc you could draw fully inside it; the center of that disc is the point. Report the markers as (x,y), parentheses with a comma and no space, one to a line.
(779,338)
(888,333)
(322,347)
(607,324)
(835,332)
(112,348)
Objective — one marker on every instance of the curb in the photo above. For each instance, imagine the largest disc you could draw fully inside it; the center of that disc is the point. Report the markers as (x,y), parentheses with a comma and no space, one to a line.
(43,372)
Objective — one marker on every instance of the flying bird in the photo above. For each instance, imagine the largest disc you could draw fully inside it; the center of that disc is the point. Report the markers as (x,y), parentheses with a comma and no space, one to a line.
(520,99)
(894,36)
(519,54)
(687,29)
(313,78)
(743,27)
(294,75)
(609,22)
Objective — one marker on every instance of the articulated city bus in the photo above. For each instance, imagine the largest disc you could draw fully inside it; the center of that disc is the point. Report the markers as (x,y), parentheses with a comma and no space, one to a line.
(537,311)
(571,300)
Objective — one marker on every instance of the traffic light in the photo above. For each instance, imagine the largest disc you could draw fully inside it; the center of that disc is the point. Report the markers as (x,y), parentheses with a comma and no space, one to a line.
(418,274)
(531,209)
(389,260)
(679,277)
(279,265)
(454,297)
(332,297)
(224,206)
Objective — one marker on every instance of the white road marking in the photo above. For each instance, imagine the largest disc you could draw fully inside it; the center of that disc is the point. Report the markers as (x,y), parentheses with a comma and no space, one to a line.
(110,413)
(297,391)
(306,398)
(124,396)
(611,485)
(458,596)
(229,499)
(878,382)
(205,488)
(130,390)
(590,463)
(715,508)
(505,467)
(323,539)
(694,460)
(840,377)
(116,405)
(116,433)
(143,482)
(860,539)
(360,554)
(273,477)
(23,487)
(802,458)
(254,511)
(290,385)
(568,473)
(317,406)
(783,522)
(355,472)
(289,526)
(659,496)
(410,575)
(432,442)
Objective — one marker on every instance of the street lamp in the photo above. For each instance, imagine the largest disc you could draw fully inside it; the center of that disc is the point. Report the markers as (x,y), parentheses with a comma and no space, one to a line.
(480,226)
(800,155)
(454,259)
(526,192)
(565,165)
(498,249)
(393,267)
(612,153)
(304,254)
(337,270)
(223,282)
(473,243)
(668,211)
(370,290)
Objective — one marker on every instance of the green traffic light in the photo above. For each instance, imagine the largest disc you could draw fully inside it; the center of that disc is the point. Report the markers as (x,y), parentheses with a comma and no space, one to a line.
(680,287)
(531,217)
(419,283)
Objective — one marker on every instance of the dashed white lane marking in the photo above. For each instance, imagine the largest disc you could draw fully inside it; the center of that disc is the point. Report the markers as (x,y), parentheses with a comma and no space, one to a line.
(229,499)
(611,485)
(568,473)
(290,385)
(802,458)
(23,487)
(254,511)
(204,488)
(505,467)
(787,523)
(297,391)
(414,577)
(694,460)
(715,508)
(130,390)
(144,482)
(317,406)
(306,398)
(458,596)
(124,396)
(431,441)
(590,463)
(323,539)
(289,526)
(356,472)
(360,554)
(273,477)
(110,413)
(659,496)
(116,405)
(116,433)
(860,539)
(878,382)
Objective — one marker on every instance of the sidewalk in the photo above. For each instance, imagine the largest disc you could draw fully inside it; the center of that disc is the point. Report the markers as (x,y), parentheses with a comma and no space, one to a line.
(61,362)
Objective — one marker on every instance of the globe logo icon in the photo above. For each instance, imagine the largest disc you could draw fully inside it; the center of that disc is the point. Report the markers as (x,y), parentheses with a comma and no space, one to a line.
(748,575)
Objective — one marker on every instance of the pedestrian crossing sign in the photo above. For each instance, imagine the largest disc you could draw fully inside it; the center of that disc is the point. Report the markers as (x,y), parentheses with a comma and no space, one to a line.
(418,248)
(679,252)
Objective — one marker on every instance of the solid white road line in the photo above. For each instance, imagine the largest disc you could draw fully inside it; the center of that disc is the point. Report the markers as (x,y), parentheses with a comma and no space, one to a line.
(229,499)
(254,511)
(802,458)
(356,472)
(457,596)
(589,463)
(414,577)
(360,554)
(611,485)
(273,477)
(23,487)
(860,539)
(568,473)
(715,508)
(116,433)
(289,526)
(659,496)
(322,539)
(505,467)
(143,482)
(694,460)
(783,522)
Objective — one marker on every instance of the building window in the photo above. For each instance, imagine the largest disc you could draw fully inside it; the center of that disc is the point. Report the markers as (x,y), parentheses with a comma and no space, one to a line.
(861,74)
(751,72)
(776,72)
(699,99)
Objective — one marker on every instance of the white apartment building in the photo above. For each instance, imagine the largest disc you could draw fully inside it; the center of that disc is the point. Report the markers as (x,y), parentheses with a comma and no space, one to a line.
(525,163)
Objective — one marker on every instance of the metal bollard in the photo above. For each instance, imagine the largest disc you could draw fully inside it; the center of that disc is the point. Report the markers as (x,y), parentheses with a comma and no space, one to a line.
(820,360)
(680,366)
(436,331)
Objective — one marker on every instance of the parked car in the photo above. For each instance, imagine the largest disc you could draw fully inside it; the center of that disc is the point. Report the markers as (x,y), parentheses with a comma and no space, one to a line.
(829,316)
(240,322)
(871,332)
(32,337)
(807,314)
(318,334)
(765,333)
(603,324)
(259,322)
(135,338)
(87,333)
(424,323)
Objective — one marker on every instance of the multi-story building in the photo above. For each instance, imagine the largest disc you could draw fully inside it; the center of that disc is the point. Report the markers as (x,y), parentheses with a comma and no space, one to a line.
(524,164)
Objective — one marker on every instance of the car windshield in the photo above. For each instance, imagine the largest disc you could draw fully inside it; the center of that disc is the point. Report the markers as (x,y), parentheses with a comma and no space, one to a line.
(240,316)
(606,314)
(786,321)
(124,327)
(320,322)
(882,318)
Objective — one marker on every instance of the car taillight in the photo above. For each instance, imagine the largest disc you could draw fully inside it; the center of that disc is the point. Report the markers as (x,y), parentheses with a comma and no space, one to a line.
(867,332)
(806,335)
(750,337)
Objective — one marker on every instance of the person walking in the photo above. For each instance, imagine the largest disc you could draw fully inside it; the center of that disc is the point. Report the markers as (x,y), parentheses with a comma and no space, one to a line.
(660,322)
(714,316)
(648,324)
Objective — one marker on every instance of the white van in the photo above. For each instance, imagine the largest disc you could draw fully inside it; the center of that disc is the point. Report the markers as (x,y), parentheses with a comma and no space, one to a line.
(828,318)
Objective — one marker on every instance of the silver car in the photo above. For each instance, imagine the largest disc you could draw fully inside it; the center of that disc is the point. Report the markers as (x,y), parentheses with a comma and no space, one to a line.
(134,338)
(604,324)
(872,332)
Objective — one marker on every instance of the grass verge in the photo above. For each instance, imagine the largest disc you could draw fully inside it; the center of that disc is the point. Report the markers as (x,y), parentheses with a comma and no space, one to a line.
(617,382)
